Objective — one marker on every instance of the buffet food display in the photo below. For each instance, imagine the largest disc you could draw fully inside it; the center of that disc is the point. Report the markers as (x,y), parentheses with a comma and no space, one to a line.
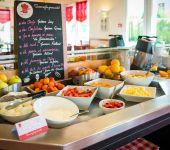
(100,86)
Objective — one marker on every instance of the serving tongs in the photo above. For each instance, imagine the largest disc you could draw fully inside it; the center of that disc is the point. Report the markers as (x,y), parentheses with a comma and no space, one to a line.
(18,102)
(15,95)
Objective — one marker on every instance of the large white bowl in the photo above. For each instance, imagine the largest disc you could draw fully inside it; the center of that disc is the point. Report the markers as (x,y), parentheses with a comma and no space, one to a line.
(104,92)
(46,103)
(110,110)
(134,98)
(83,103)
(143,81)
(20,113)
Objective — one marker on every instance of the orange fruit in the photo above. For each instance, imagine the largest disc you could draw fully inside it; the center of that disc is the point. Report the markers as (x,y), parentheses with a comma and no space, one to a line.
(51,83)
(168,72)
(55,89)
(115,62)
(46,80)
(39,84)
(32,86)
(115,68)
(163,74)
(42,81)
(60,86)
(36,84)
(37,89)
(44,87)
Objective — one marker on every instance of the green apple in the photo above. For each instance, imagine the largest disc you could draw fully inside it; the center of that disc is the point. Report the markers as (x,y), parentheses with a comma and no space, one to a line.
(14,79)
(3,85)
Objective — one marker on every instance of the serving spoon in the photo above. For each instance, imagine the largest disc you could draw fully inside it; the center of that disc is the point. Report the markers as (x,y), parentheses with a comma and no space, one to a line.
(80,113)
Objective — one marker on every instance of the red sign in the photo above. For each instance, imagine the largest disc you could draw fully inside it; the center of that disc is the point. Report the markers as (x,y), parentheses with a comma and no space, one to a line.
(4,15)
(69,13)
(81,11)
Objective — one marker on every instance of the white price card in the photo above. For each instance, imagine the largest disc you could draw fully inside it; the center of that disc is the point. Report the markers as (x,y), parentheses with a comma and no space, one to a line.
(31,127)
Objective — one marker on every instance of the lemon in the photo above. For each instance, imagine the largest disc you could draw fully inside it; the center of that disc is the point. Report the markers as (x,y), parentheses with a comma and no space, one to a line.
(115,68)
(102,68)
(122,69)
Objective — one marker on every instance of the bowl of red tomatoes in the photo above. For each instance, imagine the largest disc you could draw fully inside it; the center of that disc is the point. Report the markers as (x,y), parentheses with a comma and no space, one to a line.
(111,105)
(82,96)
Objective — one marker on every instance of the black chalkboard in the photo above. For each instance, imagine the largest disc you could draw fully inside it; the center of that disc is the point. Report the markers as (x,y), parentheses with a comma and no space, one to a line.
(39,40)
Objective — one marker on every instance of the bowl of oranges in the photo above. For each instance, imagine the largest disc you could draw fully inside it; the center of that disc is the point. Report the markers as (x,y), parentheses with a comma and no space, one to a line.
(50,85)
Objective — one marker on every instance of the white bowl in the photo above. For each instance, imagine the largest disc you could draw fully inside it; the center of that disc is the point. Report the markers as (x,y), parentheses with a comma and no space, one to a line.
(83,103)
(144,81)
(134,98)
(45,104)
(20,113)
(109,110)
(104,92)
(15,119)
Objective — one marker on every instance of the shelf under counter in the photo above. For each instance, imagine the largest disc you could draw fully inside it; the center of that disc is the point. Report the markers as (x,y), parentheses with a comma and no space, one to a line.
(114,129)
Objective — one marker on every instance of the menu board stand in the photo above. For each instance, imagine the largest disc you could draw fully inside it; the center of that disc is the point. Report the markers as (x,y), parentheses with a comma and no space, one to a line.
(40,40)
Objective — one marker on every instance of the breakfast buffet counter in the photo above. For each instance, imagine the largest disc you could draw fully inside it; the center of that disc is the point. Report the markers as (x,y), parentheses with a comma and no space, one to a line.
(111,130)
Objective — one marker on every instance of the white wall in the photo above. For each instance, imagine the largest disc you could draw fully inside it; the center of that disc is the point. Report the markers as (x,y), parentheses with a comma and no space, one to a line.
(116,15)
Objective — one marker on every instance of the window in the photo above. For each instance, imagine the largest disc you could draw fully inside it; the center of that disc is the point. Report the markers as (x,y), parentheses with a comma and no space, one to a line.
(76,26)
(161,20)
(5,36)
(135,19)
(148,17)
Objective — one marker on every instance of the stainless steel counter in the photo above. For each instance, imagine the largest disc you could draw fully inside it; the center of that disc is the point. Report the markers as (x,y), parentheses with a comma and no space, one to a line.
(89,132)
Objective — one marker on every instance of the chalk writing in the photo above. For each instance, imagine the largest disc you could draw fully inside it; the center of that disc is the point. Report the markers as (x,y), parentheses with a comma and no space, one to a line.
(40,43)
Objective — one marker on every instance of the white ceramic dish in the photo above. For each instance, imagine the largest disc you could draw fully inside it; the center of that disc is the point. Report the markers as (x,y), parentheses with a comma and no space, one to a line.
(110,110)
(83,103)
(143,81)
(47,103)
(15,119)
(104,92)
(133,98)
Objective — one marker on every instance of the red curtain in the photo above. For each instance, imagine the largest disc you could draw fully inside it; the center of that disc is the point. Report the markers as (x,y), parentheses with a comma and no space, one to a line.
(4,15)
(69,13)
(81,11)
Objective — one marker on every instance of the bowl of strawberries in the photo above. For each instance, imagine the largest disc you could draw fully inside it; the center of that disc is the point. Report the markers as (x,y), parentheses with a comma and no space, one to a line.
(82,96)
(111,105)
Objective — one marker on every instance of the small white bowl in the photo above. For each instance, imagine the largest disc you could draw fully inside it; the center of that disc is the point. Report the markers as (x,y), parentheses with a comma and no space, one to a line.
(104,92)
(134,98)
(43,105)
(144,81)
(83,103)
(109,110)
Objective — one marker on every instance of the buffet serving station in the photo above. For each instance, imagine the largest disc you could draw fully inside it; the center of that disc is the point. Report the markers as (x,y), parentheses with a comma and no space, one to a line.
(96,130)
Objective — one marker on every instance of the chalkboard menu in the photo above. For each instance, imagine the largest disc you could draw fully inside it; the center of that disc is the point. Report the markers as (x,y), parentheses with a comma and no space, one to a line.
(39,40)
